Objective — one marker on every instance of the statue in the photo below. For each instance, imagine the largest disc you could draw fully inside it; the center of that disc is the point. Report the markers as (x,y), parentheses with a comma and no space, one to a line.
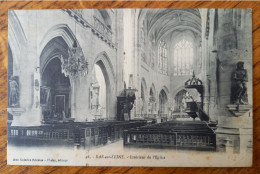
(13,97)
(239,89)
(94,93)
(95,97)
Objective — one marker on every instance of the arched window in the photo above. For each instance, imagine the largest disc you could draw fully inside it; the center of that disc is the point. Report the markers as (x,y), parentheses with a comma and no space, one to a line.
(162,58)
(183,58)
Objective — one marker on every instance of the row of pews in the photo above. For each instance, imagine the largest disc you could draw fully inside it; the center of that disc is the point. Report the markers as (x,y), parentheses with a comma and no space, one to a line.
(189,135)
(79,134)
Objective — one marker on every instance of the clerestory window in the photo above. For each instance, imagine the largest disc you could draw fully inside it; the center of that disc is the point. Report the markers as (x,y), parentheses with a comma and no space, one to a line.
(162,58)
(183,58)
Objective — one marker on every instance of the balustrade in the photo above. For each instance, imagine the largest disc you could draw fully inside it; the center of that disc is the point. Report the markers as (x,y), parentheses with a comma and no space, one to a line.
(102,28)
(98,28)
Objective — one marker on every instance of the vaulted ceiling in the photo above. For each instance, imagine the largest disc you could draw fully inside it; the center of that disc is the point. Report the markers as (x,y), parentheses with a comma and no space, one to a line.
(161,22)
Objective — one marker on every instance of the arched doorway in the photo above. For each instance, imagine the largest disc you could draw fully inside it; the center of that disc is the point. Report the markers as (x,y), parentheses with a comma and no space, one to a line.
(163,100)
(57,42)
(104,63)
(103,79)
(55,92)
(98,94)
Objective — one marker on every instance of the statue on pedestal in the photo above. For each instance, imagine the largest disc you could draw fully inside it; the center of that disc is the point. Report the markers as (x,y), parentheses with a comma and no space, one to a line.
(13,98)
(238,88)
(94,100)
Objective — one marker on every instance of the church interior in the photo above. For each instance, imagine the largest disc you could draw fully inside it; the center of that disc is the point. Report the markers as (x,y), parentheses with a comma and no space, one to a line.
(152,77)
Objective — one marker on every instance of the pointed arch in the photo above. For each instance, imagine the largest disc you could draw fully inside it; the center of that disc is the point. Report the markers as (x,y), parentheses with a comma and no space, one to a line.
(61,30)
(103,61)
(193,92)
(166,90)
(153,88)
(163,102)
(180,100)
(56,42)
(104,58)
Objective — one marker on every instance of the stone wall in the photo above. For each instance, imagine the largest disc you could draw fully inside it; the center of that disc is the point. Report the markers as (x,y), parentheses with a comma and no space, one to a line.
(38,33)
(229,42)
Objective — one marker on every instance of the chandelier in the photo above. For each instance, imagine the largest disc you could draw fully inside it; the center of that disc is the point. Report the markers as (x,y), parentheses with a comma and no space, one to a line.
(75,64)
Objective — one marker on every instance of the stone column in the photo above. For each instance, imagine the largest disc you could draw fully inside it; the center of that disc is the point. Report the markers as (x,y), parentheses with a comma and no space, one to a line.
(234,44)
(205,57)
(29,113)
(80,98)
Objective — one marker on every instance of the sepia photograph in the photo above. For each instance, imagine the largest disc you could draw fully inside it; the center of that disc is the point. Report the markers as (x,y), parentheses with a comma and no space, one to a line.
(130,87)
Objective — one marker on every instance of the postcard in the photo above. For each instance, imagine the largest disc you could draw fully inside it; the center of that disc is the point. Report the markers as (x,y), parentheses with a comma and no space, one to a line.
(130,87)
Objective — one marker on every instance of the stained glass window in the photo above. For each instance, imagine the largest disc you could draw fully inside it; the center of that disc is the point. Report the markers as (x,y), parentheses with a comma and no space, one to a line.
(183,58)
(162,58)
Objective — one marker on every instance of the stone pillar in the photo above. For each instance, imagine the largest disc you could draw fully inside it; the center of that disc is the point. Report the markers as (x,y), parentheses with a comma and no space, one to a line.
(35,115)
(205,57)
(233,39)
(213,99)
(72,98)
(120,52)
(80,98)
(28,114)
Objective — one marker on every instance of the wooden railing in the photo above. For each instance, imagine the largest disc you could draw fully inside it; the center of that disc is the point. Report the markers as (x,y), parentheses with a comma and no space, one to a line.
(70,134)
(179,135)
